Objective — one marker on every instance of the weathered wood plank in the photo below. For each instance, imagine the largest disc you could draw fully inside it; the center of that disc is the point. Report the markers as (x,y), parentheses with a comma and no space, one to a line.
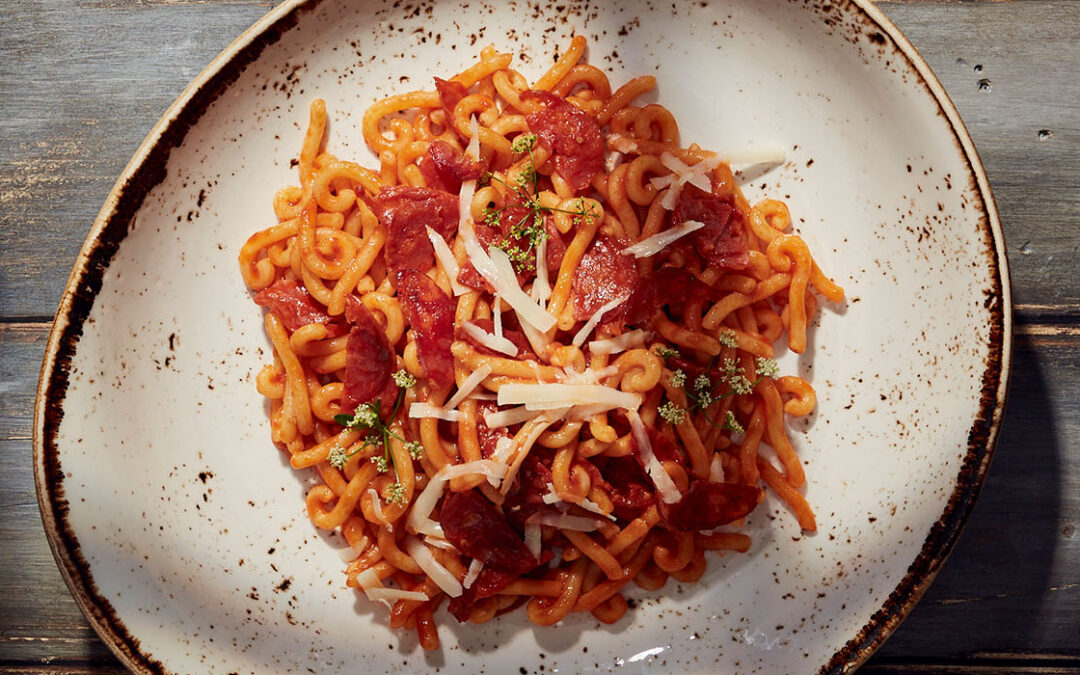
(71,117)
(1010,69)
(68,126)
(1010,586)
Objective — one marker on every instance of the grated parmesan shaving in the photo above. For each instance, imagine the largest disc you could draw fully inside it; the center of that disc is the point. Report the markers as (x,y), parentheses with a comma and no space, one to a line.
(491,469)
(446,259)
(419,517)
(594,320)
(615,345)
(376,506)
(716,470)
(471,382)
(658,242)
(442,577)
(532,537)
(504,418)
(424,410)
(475,568)
(551,395)
(472,150)
(565,521)
(669,493)
(495,342)
(392,595)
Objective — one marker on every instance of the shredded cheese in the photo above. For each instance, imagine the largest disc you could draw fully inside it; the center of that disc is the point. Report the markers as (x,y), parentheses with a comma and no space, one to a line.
(504,418)
(423,410)
(622,143)
(376,507)
(504,447)
(419,517)
(495,342)
(615,345)
(506,284)
(658,242)
(392,595)
(565,521)
(768,153)
(472,150)
(438,542)
(496,317)
(491,469)
(546,396)
(368,579)
(532,537)
(541,288)
(446,259)
(669,493)
(716,470)
(465,195)
(442,577)
(594,320)
(471,382)
(474,571)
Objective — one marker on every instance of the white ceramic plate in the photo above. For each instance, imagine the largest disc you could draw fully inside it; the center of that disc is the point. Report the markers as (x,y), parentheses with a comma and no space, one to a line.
(180,528)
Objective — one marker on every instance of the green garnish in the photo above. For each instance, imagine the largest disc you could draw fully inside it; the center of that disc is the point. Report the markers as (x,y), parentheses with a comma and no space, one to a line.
(672,413)
(727,338)
(395,494)
(530,230)
(665,352)
(678,378)
(369,416)
(732,424)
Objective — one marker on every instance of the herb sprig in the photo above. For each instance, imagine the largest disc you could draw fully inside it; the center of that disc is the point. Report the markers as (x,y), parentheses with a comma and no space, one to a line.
(369,416)
(705,391)
(530,228)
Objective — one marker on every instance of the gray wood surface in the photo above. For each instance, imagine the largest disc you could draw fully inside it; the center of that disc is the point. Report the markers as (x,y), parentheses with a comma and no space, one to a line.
(82,81)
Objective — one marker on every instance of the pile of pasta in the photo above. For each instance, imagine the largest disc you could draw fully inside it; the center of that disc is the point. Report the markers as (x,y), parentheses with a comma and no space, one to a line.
(530,354)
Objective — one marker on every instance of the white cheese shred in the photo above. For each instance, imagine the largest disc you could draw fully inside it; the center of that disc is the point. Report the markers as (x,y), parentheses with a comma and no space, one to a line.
(767,153)
(442,577)
(490,469)
(546,396)
(472,150)
(446,259)
(615,345)
(669,493)
(595,319)
(475,567)
(495,342)
(564,521)
(419,516)
(392,595)
(376,506)
(504,418)
(496,318)
(658,242)
(471,382)
(532,537)
(423,410)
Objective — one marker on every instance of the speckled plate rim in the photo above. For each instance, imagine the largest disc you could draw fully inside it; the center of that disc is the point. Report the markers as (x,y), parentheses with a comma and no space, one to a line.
(147,168)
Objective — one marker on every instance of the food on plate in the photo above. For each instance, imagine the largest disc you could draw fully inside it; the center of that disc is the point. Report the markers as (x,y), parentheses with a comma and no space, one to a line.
(530,353)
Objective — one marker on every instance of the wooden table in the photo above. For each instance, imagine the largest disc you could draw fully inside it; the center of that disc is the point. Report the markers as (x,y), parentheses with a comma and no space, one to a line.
(82,82)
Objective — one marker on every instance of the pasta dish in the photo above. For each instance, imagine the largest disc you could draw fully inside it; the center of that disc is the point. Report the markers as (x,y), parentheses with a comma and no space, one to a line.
(530,354)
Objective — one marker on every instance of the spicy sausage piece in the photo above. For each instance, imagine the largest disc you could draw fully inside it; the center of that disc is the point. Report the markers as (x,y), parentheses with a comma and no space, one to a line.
(405,212)
(431,313)
(573,135)
(603,275)
(708,505)
(295,307)
(369,358)
(721,242)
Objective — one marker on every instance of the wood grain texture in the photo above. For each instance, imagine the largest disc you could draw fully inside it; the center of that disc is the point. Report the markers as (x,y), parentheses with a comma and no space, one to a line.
(1008,599)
